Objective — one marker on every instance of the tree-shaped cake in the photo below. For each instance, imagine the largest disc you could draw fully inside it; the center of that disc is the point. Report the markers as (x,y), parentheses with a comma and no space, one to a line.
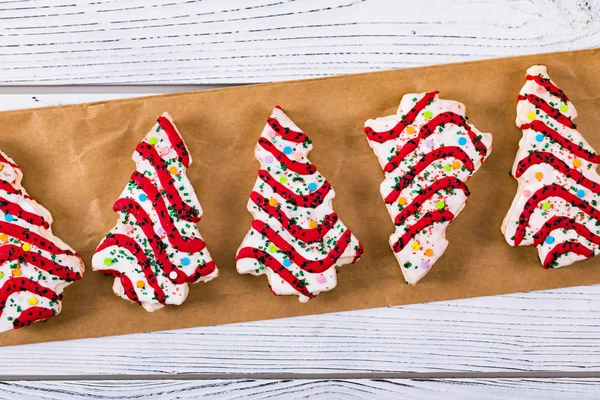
(155,249)
(35,265)
(296,239)
(427,151)
(556,205)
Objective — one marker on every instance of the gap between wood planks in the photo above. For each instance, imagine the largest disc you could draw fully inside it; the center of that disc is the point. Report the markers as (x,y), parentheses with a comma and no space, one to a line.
(318,376)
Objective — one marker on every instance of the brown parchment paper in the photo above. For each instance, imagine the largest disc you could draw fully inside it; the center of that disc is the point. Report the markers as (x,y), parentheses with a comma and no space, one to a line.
(77,159)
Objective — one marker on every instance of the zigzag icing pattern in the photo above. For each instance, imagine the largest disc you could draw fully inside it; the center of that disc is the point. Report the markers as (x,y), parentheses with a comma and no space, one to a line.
(427,151)
(35,265)
(556,204)
(155,249)
(296,239)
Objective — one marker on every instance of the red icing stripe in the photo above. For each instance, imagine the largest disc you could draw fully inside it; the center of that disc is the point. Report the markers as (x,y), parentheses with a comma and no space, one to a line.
(429,129)
(286,133)
(176,141)
(550,87)
(555,113)
(26,235)
(579,151)
(538,157)
(437,154)
(428,219)
(8,188)
(296,166)
(448,182)
(183,210)
(312,266)
(189,245)
(270,262)
(10,252)
(126,283)
(15,285)
(132,247)
(564,223)
(8,207)
(306,235)
(382,137)
(542,194)
(310,200)
(5,161)
(31,315)
(564,248)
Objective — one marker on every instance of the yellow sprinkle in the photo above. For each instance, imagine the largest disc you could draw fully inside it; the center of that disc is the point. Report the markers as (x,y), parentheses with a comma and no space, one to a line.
(410,129)
(456,164)
(140,284)
(416,245)
(531,115)
(16,272)
(272,202)
(173,170)
(1,167)
(26,247)
(402,201)
(577,163)
(3,237)
(32,301)
(539,176)
(313,224)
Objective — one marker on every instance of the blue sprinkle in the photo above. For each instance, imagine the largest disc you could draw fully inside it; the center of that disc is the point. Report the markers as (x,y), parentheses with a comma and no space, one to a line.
(185,261)
(312,186)
(581,193)
(287,262)
(287,150)
(539,137)
(8,217)
(143,197)
(462,141)
(549,239)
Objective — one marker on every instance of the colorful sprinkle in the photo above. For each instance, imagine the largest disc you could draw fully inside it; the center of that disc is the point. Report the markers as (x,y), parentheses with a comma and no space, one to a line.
(107,261)
(185,261)
(440,204)
(321,278)
(581,193)
(416,245)
(272,248)
(547,205)
(153,140)
(527,193)
(549,239)
(564,108)
(410,129)
(140,284)
(1,274)
(162,150)
(1,167)
(313,224)
(427,114)
(269,159)
(128,229)
(297,156)
(26,247)
(539,137)
(287,262)
(173,170)
(448,167)
(32,301)
(173,275)
(272,202)
(577,163)
(8,217)
(3,238)
(312,186)
(402,201)
(539,176)
(531,115)
(424,264)
(283,179)
(462,141)
(143,197)
(429,143)
(456,164)
(540,90)
(287,150)
(16,272)
(429,252)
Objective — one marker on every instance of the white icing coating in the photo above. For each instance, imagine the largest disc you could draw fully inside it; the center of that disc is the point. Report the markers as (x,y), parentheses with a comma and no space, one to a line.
(529,182)
(124,262)
(19,267)
(297,183)
(421,252)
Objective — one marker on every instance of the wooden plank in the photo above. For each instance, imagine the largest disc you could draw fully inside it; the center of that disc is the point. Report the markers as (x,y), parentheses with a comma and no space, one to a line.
(448,389)
(154,41)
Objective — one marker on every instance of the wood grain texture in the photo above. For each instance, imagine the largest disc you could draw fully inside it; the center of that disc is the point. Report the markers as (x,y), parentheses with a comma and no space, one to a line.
(448,389)
(189,41)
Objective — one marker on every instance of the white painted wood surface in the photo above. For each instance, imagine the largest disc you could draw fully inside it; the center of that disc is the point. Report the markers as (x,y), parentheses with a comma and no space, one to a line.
(197,42)
(237,41)
(448,389)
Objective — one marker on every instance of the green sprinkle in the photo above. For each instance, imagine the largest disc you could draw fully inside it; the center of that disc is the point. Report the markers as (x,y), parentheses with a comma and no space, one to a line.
(107,261)
(153,140)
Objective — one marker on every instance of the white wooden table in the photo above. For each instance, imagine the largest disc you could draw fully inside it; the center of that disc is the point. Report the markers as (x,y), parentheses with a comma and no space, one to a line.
(535,345)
